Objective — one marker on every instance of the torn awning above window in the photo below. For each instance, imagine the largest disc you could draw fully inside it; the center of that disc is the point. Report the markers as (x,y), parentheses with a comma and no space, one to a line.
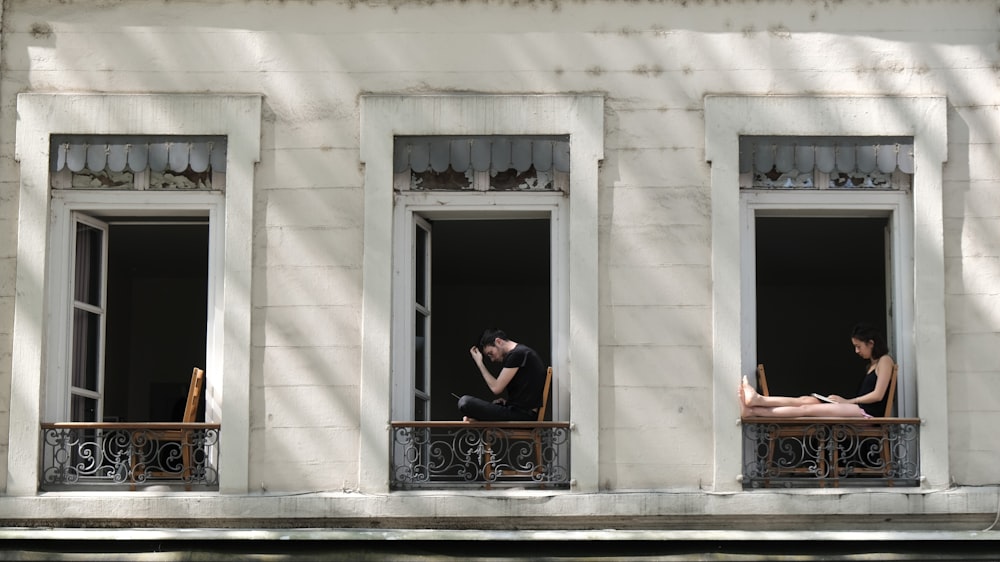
(137,153)
(826,154)
(481,153)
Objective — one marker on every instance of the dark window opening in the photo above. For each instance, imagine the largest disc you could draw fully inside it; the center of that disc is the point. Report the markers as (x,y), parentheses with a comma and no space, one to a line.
(816,278)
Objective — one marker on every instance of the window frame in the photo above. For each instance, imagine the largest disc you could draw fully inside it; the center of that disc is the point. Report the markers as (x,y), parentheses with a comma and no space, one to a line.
(42,262)
(414,206)
(924,119)
(385,116)
(69,204)
(67,327)
(895,206)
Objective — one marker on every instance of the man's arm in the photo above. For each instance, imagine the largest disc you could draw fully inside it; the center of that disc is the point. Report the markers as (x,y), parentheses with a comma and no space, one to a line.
(497,384)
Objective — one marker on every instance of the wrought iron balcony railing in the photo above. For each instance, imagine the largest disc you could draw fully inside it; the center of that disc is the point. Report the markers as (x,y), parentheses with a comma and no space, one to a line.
(834,452)
(127,455)
(480,455)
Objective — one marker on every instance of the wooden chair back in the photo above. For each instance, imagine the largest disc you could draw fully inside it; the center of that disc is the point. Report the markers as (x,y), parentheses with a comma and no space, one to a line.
(194,395)
(545,395)
(892,391)
(762,380)
(183,436)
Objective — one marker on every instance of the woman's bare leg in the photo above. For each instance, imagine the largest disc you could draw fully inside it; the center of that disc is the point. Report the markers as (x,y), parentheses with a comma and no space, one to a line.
(821,410)
(752,398)
(753,404)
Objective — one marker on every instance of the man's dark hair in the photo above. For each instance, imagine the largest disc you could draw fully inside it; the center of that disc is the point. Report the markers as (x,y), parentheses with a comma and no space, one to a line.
(867,333)
(490,336)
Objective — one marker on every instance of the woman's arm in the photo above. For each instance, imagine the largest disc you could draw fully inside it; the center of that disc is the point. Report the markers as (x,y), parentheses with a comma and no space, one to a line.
(884,372)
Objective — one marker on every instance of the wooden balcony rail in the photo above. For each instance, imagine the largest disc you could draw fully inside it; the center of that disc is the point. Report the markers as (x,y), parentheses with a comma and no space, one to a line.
(479,455)
(78,455)
(830,452)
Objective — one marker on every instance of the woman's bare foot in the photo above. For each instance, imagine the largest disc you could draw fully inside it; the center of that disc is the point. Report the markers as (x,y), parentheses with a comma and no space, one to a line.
(468,419)
(741,398)
(748,393)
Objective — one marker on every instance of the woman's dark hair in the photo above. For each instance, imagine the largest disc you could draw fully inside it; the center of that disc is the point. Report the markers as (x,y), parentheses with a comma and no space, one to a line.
(867,333)
(490,336)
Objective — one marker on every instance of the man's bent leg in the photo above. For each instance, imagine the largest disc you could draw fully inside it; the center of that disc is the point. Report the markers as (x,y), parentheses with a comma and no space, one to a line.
(481,410)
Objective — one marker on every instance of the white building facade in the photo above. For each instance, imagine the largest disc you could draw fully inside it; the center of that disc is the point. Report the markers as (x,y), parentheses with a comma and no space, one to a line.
(699,188)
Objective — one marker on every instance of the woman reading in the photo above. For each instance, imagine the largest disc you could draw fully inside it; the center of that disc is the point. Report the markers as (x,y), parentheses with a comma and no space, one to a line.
(872,395)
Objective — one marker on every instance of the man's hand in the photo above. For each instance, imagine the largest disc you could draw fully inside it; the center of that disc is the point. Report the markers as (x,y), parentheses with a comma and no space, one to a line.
(477,355)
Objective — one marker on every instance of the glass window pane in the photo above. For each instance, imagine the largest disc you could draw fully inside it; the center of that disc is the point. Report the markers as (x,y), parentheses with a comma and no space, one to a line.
(84,409)
(87,278)
(419,409)
(420,353)
(420,266)
(86,349)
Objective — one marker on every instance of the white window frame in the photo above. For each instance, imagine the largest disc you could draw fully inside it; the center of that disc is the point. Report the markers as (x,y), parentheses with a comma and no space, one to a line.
(924,119)
(895,206)
(464,206)
(68,327)
(65,204)
(575,348)
(43,261)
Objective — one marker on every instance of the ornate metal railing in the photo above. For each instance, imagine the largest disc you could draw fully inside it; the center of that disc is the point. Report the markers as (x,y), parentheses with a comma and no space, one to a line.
(834,452)
(128,455)
(479,454)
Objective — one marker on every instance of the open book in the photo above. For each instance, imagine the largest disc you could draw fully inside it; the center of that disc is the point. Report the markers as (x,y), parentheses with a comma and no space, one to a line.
(822,398)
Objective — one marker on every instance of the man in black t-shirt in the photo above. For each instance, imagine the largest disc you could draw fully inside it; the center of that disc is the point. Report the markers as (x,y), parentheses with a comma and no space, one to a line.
(522,376)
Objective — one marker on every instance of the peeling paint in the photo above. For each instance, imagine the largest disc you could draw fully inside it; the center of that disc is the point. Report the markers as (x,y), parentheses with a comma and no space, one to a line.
(780,31)
(644,70)
(41,30)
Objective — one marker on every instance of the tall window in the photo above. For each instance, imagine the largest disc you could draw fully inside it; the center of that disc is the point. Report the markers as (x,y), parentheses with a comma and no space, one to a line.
(474,226)
(81,154)
(139,315)
(820,212)
(572,230)
(138,292)
(915,246)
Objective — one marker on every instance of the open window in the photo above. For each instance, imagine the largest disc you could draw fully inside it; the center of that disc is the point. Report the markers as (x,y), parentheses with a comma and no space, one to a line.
(475,245)
(816,277)
(136,301)
(131,321)
(914,219)
(130,169)
(456,131)
(468,273)
(140,312)
(825,248)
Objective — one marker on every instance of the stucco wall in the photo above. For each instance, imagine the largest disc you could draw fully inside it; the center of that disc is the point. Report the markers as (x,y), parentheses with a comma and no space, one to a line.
(654,62)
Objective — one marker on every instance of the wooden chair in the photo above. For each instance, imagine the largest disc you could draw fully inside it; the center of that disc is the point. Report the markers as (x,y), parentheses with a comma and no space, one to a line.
(892,392)
(522,435)
(182,436)
(779,432)
(762,380)
(870,433)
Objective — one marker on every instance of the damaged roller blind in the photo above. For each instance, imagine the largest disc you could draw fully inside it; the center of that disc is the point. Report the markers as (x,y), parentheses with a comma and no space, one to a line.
(481,163)
(826,162)
(138,162)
